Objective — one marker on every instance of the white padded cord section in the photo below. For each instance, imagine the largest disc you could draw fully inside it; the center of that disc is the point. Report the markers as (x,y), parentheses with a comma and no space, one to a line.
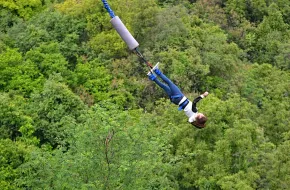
(124,33)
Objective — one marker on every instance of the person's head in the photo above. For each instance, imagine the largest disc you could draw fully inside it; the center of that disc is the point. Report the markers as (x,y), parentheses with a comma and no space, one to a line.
(200,121)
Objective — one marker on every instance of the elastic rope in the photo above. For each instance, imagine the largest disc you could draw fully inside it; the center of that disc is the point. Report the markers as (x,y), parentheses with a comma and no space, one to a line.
(143,58)
(107,6)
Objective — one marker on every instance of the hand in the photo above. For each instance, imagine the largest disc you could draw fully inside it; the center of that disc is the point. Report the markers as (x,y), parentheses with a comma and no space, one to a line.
(205,94)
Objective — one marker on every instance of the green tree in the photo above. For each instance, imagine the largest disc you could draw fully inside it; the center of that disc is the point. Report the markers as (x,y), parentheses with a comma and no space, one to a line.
(24,9)
(268,37)
(222,153)
(211,11)
(49,60)
(9,60)
(252,10)
(12,116)
(111,149)
(12,155)
(268,87)
(284,7)
(55,111)
(8,19)
(144,19)
(282,59)
(170,31)
(281,166)
(95,78)
(185,68)
(273,167)
(129,84)
(17,74)
(51,27)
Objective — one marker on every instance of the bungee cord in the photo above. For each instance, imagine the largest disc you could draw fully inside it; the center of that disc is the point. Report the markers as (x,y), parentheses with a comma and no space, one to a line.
(125,34)
(108,8)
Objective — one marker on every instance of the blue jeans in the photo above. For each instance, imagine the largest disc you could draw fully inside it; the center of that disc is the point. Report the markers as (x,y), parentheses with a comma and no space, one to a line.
(171,89)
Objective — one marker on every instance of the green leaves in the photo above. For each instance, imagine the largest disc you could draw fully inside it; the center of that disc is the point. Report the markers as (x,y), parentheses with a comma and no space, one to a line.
(111,149)
(185,68)
(24,9)
(49,60)
(77,110)
(270,34)
(95,79)
(55,111)
(11,156)
(11,116)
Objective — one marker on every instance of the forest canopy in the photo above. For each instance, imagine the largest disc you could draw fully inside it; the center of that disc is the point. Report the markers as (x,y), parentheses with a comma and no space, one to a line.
(77,110)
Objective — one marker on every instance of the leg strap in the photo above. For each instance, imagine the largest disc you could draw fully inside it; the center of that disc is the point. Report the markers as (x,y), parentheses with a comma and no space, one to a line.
(155,67)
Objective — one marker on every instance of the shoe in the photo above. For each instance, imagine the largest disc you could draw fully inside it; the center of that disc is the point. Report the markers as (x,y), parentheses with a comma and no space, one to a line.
(158,72)
(151,76)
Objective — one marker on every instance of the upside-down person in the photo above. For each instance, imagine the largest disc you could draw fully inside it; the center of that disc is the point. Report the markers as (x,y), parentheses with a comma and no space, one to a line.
(177,97)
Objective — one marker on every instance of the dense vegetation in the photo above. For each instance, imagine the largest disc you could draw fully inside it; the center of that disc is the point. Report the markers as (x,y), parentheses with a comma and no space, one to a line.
(78,112)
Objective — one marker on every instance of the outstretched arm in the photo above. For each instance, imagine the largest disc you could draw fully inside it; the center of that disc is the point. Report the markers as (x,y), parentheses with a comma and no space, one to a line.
(200,97)
(194,109)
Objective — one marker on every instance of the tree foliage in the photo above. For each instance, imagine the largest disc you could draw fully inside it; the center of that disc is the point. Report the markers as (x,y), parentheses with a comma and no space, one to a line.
(78,112)
(55,111)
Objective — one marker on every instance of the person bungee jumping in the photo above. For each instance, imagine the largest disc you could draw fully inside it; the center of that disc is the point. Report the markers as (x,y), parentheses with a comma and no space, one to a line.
(176,96)
(174,93)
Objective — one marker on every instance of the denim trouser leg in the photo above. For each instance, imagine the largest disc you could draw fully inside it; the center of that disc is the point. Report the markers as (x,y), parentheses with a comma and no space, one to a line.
(171,89)
(163,86)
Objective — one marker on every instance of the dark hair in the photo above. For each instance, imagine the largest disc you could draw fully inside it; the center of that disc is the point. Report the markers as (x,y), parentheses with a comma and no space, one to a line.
(200,122)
